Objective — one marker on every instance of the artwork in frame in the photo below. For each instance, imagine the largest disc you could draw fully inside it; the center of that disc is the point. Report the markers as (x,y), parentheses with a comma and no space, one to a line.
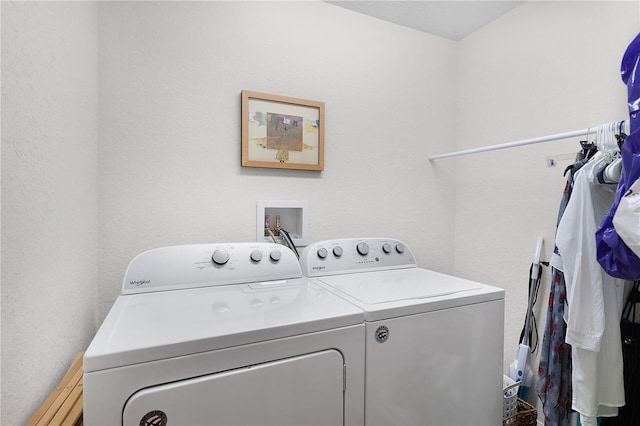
(282,132)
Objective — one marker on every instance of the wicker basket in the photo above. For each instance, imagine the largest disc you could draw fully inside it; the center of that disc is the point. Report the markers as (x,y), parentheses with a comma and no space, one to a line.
(526,415)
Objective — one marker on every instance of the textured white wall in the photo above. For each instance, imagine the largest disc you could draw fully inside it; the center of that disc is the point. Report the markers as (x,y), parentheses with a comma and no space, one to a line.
(543,68)
(49,200)
(169,142)
(168,119)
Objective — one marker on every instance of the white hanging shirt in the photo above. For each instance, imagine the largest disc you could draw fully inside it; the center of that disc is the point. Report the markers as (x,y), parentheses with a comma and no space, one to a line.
(594,299)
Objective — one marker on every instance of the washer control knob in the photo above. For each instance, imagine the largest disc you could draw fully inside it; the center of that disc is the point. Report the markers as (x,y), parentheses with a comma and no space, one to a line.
(337,251)
(386,247)
(322,253)
(363,248)
(256,255)
(400,248)
(220,257)
(275,255)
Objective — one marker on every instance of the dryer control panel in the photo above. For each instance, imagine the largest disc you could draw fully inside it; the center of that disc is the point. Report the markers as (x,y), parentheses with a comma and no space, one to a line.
(204,265)
(350,255)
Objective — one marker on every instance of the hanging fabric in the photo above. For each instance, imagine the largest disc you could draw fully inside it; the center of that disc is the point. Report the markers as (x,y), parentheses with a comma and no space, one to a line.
(613,254)
(553,385)
(594,299)
(630,338)
(630,342)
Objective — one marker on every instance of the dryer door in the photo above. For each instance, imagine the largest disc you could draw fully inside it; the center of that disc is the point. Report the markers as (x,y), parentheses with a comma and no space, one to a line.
(302,390)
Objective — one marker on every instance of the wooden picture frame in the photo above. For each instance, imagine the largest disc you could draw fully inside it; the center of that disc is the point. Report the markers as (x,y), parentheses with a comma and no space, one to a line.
(282,132)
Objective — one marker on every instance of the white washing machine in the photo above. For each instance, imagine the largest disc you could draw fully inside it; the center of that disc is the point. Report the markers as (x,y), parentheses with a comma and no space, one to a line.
(225,334)
(434,343)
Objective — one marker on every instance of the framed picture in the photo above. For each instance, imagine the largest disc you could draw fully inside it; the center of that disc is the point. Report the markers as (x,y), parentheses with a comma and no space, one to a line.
(282,132)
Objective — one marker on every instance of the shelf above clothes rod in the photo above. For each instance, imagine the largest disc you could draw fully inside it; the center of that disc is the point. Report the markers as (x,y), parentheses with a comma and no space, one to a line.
(548,138)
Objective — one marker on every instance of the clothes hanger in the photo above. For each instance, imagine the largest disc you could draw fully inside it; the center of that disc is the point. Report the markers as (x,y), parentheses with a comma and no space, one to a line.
(587,150)
(607,141)
(621,136)
(613,140)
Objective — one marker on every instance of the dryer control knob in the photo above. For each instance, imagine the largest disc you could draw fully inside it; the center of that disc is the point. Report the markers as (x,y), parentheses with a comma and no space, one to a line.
(275,255)
(363,248)
(322,253)
(337,251)
(220,257)
(256,255)
(400,248)
(386,247)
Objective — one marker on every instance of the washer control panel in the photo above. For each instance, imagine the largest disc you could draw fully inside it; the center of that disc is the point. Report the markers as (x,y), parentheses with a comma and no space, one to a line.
(355,255)
(204,265)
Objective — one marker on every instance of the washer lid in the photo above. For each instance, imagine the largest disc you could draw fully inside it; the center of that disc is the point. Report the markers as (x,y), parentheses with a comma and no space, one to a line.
(152,326)
(388,294)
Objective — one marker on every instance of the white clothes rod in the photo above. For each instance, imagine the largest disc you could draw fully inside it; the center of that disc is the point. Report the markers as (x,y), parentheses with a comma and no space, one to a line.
(548,138)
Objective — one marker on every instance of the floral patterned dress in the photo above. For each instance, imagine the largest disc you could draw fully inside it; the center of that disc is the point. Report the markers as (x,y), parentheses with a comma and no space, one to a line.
(553,385)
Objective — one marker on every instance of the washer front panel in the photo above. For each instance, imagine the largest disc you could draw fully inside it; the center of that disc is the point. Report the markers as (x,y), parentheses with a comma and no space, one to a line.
(436,368)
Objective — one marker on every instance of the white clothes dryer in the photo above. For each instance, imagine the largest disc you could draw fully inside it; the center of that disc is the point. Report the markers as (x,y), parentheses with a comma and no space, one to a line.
(225,334)
(434,342)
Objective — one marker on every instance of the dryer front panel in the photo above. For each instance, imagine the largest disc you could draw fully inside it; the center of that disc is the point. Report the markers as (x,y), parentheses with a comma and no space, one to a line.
(302,390)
